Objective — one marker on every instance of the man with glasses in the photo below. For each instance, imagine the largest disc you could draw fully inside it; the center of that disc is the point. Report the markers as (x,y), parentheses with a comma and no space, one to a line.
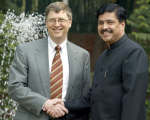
(45,70)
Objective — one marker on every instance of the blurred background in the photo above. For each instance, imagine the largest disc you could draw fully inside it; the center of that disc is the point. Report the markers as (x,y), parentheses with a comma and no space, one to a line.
(23,21)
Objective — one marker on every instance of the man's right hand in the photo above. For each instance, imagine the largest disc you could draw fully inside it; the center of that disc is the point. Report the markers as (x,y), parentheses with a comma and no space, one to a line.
(55,108)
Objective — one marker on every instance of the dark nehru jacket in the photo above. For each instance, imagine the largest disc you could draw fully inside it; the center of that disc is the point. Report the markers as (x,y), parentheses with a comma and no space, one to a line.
(119,85)
(120,82)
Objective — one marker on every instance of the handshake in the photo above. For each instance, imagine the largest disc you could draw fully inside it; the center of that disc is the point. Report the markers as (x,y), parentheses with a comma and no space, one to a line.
(55,108)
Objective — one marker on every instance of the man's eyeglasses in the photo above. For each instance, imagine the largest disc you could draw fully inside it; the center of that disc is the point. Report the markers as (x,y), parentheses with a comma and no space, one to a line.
(59,20)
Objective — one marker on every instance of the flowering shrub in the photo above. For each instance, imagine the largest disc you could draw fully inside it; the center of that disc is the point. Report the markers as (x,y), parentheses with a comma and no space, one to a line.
(14,30)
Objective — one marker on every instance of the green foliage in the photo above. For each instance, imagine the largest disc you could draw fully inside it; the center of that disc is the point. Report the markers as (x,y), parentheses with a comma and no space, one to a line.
(1,17)
(139,22)
(8,4)
(7,48)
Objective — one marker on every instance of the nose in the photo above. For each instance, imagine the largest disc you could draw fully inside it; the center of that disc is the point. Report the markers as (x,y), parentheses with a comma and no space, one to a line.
(57,23)
(105,26)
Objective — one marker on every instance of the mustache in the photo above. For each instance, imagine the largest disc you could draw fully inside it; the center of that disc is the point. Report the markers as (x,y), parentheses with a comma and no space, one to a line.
(106,30)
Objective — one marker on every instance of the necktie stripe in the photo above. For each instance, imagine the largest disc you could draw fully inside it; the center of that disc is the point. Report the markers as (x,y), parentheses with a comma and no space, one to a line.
(56,92)
(58,62)
(55,80)
(56,75)
(57,69)
(57,56)
(57,84)
(58,96)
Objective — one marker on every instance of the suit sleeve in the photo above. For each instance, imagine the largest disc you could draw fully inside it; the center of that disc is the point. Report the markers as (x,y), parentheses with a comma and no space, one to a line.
(18,85)
(135,80)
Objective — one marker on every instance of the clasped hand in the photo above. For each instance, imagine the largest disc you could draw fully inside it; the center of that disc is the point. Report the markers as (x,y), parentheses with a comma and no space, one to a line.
(55,108)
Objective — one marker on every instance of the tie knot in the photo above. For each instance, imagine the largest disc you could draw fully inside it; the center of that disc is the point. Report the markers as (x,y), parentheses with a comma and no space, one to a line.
(57,48)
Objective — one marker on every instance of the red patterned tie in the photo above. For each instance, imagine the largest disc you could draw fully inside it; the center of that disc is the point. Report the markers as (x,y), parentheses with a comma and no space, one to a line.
(56,76)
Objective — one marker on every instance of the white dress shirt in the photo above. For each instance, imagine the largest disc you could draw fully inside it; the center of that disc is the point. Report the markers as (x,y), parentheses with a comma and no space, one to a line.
(64,58)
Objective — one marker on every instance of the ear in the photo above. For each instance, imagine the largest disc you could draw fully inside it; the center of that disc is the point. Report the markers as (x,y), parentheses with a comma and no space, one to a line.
(123,23)
(122,28)
(70,23)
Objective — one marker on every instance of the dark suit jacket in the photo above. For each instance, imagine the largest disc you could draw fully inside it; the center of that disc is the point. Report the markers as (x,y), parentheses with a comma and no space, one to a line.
(119,86)
(29,77)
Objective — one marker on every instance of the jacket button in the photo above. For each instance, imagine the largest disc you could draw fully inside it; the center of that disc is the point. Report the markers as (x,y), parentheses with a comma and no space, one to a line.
(96,85)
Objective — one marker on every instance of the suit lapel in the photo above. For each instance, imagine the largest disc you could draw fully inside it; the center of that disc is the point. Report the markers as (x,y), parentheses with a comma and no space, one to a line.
(72,62)
(43,65)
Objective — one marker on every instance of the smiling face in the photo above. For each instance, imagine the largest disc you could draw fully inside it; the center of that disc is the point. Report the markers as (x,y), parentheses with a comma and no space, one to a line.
(58,25)
(109,27)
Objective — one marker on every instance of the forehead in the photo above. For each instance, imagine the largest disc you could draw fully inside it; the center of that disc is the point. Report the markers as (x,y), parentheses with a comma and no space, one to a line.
(107,16)
(53,14)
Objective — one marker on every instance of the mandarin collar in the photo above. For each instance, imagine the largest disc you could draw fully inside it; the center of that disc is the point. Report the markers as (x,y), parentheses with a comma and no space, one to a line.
(119,42)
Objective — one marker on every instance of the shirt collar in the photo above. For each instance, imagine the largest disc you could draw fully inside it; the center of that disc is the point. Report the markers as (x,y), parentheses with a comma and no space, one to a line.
(52,44)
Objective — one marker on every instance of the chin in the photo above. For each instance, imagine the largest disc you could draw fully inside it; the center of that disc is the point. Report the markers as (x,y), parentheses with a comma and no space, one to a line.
(58,36)
(106,39)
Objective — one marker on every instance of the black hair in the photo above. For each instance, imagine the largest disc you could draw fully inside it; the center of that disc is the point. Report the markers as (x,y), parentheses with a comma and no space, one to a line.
(112,7)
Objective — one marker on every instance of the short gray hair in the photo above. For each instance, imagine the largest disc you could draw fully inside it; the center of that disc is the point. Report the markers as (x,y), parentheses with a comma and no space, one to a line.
(57,7)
